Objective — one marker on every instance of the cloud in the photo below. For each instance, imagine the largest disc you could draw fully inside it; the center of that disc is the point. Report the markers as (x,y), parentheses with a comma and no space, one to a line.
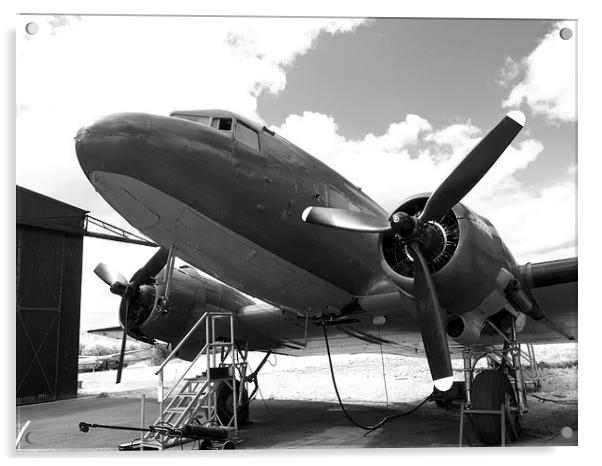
(273,44)
(508,73)
(413,157)
(535,223)
(548,83)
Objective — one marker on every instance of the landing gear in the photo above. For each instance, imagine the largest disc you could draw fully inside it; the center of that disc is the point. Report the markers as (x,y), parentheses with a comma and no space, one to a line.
(495,399)
(223,392)
(491,390)
(223,395)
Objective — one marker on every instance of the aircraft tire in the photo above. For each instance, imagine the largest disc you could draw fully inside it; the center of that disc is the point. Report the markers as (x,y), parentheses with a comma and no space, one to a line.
(490,389)
(443,404)
(224,404)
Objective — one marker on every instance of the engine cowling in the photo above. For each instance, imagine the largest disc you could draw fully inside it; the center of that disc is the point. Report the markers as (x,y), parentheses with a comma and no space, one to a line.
(470,266)
(190,296)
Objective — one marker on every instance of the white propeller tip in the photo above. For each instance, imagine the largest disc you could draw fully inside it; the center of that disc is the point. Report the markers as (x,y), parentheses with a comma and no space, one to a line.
(305,214)
(444,384)
(100,266)
(517,116)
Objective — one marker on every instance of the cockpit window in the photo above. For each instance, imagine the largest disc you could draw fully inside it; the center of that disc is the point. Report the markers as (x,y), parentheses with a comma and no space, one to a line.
(246,136)
(223,124)
(202,119)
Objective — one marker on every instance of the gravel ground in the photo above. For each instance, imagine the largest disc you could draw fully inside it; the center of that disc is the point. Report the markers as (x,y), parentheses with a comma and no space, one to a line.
(359,377)
(362,380)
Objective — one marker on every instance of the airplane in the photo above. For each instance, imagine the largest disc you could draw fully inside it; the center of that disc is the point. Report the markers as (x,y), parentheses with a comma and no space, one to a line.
(241,203)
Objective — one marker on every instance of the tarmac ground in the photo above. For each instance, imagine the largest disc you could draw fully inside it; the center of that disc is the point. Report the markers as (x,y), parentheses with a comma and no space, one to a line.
(280,424)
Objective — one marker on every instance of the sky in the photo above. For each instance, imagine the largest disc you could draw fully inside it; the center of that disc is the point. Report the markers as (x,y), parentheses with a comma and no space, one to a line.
(392,104)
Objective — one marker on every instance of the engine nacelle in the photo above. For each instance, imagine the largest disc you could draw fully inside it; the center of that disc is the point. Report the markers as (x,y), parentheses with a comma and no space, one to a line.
(190,296)
(470,265)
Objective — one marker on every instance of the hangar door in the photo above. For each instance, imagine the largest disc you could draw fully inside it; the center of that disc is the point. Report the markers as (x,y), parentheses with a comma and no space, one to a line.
(48,277)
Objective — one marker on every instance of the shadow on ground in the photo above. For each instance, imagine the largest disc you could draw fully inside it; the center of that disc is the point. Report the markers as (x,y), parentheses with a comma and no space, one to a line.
(281,424)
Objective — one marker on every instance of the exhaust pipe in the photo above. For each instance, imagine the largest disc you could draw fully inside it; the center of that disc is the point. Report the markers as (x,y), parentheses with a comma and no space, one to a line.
(465,329)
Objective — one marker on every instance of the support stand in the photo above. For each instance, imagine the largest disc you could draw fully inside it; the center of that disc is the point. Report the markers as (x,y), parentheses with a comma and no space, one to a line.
(195,399)
(506,359)
(501,413)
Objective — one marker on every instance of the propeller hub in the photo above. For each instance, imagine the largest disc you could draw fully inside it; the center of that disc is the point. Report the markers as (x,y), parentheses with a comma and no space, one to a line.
(125,290)
(119,288)
(404,225)
(432,241)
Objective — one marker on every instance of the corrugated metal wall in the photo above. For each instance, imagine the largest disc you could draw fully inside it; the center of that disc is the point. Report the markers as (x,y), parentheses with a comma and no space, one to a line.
(49,266)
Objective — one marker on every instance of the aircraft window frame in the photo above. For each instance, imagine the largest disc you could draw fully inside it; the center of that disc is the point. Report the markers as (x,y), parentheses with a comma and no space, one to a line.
(194,118)
(250,131)
(219,121)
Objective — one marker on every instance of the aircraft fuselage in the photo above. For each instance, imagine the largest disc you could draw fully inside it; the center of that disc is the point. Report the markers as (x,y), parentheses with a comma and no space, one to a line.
(234,210)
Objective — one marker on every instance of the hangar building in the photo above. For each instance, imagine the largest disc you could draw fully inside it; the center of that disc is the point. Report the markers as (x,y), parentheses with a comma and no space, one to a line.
(49,267)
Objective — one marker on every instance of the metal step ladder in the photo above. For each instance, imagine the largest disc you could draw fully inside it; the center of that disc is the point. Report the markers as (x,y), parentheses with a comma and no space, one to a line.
(194,399)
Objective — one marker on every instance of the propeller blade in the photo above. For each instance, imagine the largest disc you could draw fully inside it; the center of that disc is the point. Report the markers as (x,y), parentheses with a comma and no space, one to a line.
(432,326)
(474,166)
(342,219)
(109,276)
(151,268)
(123,341)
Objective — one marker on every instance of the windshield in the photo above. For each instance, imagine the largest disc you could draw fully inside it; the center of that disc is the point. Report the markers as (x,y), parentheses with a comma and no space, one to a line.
(220,123)
(202,119)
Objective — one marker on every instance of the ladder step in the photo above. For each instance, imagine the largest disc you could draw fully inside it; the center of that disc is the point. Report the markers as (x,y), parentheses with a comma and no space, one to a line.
(193,397)
(176,410)
(215,373)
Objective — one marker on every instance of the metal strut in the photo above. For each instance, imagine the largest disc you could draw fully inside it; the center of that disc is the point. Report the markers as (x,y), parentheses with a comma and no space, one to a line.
(519,384)
(163,301)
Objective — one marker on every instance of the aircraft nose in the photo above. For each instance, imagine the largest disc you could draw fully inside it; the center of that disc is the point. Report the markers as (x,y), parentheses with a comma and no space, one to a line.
(111,141)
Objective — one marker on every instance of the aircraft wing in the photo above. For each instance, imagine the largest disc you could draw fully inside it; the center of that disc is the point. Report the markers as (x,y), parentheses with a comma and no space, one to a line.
(109,332)
(553,289)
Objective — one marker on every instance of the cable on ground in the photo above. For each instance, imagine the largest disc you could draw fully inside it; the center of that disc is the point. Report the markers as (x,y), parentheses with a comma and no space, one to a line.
(552,400)
(371,428)
(382,361)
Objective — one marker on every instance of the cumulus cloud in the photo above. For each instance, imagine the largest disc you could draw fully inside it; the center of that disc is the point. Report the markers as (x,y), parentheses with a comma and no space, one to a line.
(508,73)
(548,77)
(535,223)
(412,157)
(273,44)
